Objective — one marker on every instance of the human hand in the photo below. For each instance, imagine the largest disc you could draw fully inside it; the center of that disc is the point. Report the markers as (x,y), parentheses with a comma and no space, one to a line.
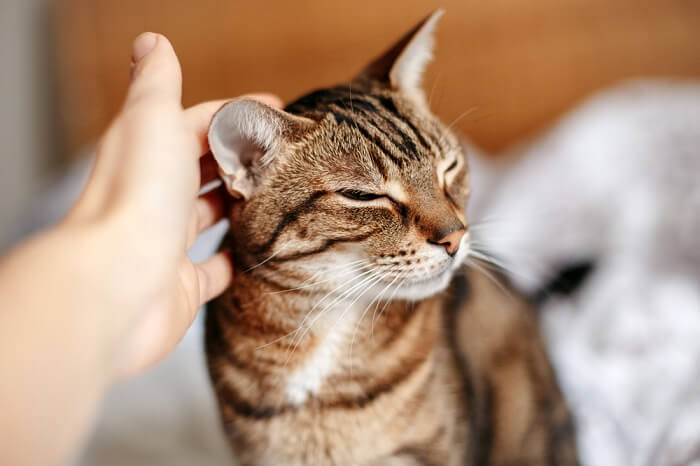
(140,212)
(110,290)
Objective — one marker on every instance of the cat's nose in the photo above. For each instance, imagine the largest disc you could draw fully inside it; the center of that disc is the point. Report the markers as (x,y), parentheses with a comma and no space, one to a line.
(452,240)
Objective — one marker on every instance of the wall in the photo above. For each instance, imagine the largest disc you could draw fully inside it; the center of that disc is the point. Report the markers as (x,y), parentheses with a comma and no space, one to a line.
(27,141)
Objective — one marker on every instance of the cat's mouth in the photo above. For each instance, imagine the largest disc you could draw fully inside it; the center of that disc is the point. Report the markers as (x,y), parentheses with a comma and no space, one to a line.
(416,288)
(413,285)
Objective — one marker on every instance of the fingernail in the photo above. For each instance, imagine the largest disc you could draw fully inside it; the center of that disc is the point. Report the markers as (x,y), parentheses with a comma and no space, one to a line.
(143,44)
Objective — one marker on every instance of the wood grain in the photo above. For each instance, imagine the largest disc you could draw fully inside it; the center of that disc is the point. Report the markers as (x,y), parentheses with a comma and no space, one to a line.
(503,69)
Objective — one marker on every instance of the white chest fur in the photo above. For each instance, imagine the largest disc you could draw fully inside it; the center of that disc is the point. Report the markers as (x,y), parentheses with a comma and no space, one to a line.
(335,331)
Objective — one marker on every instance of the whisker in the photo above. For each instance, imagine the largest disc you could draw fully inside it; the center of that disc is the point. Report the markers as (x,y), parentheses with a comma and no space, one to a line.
(282,248)
(349,307)
(488,275)
(454,122)
(327,308)
(297,340)
(345,268)
(367,308)
(299,327)
(391,298)
(374,314)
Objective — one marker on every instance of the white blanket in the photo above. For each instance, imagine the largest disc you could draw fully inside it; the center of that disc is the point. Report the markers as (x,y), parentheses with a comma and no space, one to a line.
(617,182)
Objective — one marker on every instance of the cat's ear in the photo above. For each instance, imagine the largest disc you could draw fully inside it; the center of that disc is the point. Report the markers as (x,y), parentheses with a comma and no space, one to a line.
(402,66)
(245,136)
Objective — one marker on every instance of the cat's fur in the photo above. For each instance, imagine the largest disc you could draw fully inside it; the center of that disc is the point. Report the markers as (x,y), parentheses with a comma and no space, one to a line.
(334,345)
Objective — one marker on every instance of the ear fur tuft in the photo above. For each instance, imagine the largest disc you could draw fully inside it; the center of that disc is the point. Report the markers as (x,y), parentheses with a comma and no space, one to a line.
(245,136)
(403,65)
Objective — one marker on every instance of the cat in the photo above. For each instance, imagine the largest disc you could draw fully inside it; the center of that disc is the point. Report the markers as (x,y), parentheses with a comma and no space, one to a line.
(353,334)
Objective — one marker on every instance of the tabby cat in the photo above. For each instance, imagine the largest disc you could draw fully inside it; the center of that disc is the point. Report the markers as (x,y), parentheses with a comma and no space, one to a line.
(352,335)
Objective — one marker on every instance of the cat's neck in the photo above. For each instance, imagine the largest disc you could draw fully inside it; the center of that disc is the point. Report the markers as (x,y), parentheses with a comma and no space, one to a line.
(289,335)
(260,304)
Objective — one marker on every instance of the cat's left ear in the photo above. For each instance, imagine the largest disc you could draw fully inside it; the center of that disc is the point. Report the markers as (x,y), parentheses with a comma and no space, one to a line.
(402,66)
(246,136)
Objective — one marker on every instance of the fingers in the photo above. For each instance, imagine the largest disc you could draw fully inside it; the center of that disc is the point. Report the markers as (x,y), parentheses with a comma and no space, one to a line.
(199,116)
(214,275)
(155,70)
(208,209)
(208,170)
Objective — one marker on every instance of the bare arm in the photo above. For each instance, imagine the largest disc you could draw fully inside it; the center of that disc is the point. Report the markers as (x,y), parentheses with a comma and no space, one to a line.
(110,290)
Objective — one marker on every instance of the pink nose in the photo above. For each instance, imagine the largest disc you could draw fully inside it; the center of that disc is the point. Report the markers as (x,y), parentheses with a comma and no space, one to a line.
(452,240)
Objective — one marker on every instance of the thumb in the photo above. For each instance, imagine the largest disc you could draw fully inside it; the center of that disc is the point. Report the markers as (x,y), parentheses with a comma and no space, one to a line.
(155,70)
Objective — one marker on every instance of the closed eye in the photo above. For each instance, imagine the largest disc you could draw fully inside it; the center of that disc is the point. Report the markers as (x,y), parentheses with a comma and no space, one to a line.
(359,195)
(445,189)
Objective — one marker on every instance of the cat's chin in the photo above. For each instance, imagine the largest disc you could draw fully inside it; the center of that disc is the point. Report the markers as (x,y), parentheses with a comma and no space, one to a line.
(416,290)
(425,287)
(421,289)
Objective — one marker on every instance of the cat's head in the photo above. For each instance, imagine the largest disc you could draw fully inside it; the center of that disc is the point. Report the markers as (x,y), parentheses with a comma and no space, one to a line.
(355,187)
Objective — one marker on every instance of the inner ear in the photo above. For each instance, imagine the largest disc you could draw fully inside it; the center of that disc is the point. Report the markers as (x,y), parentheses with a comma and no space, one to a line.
(403,65)
(245,136)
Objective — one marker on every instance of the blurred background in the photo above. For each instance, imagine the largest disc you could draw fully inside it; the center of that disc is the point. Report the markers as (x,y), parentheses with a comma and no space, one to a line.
(504,68)
(613,183)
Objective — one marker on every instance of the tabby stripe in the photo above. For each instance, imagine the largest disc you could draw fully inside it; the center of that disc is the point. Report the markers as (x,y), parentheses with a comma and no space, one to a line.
(383,387)
(398,137)
(311,102)
(484,426)
(288,218)
(478,399)
(343,98)
(217,343)
(257,411)
(328,243)
(397,332)
(388,104)
(379,164)
(378,142)
(423,454)
(560,432)
(560,449)
(393,133)
(243,408)
(362,104)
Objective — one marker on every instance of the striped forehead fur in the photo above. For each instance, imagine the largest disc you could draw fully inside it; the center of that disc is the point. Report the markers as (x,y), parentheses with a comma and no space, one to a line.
(397,129)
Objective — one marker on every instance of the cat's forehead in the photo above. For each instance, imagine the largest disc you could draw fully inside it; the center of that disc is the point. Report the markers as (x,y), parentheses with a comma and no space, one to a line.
(389,126)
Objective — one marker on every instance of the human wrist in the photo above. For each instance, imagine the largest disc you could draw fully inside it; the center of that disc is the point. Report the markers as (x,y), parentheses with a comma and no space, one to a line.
(87,281)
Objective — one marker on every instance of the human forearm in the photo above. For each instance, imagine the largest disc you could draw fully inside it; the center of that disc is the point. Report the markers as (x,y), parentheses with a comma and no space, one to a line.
(54,346)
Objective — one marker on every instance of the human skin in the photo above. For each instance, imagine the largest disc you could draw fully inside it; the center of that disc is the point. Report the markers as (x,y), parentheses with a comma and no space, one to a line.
(110,291)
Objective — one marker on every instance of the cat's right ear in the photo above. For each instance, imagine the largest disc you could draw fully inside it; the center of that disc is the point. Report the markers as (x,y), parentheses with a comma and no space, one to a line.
(402,66)
(245,136)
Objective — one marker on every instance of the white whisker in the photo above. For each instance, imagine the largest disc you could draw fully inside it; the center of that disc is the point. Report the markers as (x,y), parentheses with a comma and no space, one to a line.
(367,308)
(282,248)
(344,269)
(305,330)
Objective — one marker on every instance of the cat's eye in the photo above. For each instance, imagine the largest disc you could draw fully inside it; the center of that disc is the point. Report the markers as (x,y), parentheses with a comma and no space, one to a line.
(357,195)
(452,165)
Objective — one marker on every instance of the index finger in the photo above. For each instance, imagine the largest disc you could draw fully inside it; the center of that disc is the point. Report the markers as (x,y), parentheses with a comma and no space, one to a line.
(199,116)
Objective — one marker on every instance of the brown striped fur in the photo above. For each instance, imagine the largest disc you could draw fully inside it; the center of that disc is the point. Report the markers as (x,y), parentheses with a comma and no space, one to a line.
(352,335)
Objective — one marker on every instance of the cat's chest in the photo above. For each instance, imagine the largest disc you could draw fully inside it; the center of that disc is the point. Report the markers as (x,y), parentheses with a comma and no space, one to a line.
(333,333)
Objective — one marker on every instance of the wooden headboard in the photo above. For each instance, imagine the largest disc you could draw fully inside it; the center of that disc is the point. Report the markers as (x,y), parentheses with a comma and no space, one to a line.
(507,67)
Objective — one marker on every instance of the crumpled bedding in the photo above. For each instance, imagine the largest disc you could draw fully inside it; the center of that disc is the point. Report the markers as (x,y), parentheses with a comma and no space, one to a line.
(615,183)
